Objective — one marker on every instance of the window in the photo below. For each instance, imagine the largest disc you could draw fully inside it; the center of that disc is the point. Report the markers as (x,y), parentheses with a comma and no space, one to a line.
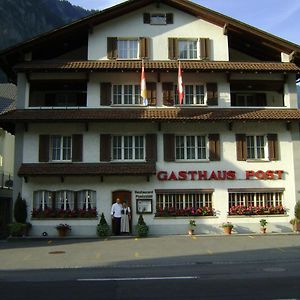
(256,202)
(193,95)
(184,204)
(65,200)
(86,199)
(256,147)
(42,200)
(188,49)
(126,94)
(128,147)
(127,49)
(191,147)
(61,147)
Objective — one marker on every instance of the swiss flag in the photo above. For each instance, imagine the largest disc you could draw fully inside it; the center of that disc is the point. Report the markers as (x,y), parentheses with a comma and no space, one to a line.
(180,85)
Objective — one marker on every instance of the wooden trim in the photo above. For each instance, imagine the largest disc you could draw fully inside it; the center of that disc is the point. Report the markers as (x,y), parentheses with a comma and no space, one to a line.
(273,147)
(168,93)
(144,47)
(212,93)
(214,147)
(147,18)
(169,147)
(44,148)
(77,147)
(258,190)
(151,93)
(184,191)
(205,48)
(241,147)
(170,18)
(112,48)
(151,148)
(105,93)
(105,147)
(173,48)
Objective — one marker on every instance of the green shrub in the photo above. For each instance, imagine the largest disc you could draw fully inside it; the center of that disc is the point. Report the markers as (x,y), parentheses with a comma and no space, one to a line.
(17,229)
(20,210)
(141,227)
(297,210)
(103,228)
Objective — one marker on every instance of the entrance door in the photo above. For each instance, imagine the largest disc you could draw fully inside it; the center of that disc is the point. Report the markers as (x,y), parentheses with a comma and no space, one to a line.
(124,196)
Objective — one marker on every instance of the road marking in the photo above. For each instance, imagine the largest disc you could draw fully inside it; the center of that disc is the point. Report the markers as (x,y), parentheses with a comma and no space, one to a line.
(136,254)
(136,239)
(281,250)
(194,238)
(209,252)
(139,278)
(250,237)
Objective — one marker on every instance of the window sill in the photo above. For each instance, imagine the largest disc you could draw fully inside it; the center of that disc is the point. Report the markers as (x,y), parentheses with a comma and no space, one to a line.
(54,219)
(127,161)
(192,161)
(257,216)
(257,160)
(184,218)
(127,105)
(191,105)
(60,161)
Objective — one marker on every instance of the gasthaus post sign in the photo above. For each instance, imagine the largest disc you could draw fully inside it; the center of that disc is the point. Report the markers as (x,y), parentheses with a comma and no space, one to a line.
(194,175)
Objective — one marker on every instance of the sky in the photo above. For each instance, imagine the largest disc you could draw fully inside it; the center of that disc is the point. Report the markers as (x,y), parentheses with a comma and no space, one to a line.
(279,17)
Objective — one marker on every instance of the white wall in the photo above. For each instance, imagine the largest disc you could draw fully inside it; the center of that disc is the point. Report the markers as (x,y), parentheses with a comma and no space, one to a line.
(131,25)
(132,183)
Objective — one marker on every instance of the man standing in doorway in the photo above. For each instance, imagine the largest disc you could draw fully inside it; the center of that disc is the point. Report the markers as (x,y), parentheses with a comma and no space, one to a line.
(116,216)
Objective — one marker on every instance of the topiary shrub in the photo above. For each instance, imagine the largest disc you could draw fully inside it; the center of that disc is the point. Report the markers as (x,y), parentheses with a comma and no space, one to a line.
(17,229)
(20,210)
(141,228)
(103,228)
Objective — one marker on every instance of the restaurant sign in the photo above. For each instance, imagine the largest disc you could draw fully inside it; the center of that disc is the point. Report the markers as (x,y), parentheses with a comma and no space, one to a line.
(194,175)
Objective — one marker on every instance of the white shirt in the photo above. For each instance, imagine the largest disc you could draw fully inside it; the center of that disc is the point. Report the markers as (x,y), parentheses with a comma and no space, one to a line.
(116,210)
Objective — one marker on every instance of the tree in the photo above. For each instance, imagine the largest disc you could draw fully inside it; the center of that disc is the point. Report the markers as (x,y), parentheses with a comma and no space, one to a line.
(20,210)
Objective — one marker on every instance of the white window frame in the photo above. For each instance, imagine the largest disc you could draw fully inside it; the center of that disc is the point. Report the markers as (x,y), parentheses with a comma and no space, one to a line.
(61,148)
(89,199)
(66,201)
(257,198)
(122,148)
(195,85)
(185,137)
(266,152)
(128,40)
(184,200)
(42,199)
(133,98)
(188,51)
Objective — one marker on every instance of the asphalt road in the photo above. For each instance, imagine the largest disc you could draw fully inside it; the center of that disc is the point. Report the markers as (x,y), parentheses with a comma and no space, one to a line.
(252,280)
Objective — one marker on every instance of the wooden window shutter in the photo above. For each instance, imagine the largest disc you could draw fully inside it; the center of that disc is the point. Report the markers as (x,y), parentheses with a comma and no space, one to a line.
(205,48)
(151,147)
(105,147)
(169,147)
(273,147)
(173,48)
(146,18)
(261,99)
(151,93)
(144,47)
(77,147)
(168,93)
(241,147)
(214,147)
(169,18)
(105,94)
(44,148)
(212,93)
(112,48)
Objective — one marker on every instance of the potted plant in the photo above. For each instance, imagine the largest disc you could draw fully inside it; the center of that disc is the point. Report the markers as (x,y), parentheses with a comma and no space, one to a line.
(296,221)
(63,229)
(192,226)
(17,229)
(103,227)
(263,225)
(227,227)
(141,227)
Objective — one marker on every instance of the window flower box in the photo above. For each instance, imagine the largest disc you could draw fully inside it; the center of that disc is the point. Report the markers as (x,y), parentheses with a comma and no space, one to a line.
(186,212)
(64,214)
(240,210)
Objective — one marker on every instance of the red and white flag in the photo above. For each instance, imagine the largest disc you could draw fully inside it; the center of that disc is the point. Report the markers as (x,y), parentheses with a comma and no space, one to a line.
(180,85)
(144,86)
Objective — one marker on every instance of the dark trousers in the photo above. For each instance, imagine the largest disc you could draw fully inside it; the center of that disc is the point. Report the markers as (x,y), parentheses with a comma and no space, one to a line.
(117,225)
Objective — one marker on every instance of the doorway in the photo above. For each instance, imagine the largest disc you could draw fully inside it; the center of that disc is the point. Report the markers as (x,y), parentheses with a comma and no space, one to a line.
(124,196)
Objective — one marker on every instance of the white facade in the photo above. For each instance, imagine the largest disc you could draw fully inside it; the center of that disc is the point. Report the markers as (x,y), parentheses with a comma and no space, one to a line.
(184,26)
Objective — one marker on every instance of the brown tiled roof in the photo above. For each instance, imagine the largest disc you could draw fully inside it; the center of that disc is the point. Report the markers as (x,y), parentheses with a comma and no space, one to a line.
(133,65)
(147,114)
(87,169)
